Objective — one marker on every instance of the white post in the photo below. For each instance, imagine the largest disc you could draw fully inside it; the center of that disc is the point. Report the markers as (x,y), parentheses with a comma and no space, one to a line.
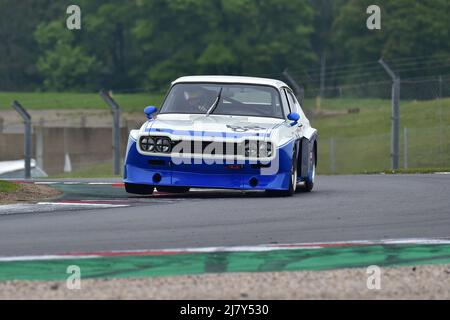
(405,147)
(39,146)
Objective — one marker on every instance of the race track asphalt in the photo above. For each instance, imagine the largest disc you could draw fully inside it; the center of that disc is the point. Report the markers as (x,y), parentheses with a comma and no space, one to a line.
(341,208)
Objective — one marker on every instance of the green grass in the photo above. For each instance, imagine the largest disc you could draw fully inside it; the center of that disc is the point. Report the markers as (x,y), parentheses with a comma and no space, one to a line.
(101,170)
(412,171)
(362,140)
(346,103)
(7,187)
(374,116)
(49,100)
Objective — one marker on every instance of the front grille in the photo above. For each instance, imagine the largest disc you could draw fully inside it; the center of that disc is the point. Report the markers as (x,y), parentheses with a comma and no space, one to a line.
(218,148)
(215,147)
(248,149)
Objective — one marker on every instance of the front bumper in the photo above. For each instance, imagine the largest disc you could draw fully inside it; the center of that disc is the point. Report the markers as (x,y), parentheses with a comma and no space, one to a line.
(155,170)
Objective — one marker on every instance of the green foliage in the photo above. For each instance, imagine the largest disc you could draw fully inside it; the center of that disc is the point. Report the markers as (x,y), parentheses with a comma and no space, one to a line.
(223,37)
(148,43)
(408,29)
(64,65)
(18,49)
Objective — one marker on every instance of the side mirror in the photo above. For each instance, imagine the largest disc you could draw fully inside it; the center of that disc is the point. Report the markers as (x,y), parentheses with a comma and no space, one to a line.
(294,116)
(149,111)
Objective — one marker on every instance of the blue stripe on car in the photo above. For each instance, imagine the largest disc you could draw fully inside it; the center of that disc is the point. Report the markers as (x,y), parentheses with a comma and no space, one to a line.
(209,133)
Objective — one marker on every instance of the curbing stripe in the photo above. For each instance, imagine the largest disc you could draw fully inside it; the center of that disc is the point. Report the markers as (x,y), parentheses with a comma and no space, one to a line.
(139,266)
(257,248)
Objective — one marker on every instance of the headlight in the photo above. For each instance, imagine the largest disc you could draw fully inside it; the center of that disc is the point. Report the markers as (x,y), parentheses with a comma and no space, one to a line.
(147,144)
(258,149)
(163,145)
(251,148)
(156,144)
(265,149)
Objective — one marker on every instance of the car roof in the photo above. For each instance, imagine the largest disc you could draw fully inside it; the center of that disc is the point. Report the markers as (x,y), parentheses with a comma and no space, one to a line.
(232,79)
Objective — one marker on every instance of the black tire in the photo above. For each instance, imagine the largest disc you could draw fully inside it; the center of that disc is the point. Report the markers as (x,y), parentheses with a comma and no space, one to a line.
(143,189)
(173,189)
(308,183)
(293,185)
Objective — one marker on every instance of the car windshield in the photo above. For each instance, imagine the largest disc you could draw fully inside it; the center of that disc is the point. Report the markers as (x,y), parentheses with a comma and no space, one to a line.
(235,99)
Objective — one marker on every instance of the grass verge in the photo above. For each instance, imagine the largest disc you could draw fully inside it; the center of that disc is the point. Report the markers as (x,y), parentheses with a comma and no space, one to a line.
(100,170)
(412,171)
(361,141)
(50,100)
(7,187)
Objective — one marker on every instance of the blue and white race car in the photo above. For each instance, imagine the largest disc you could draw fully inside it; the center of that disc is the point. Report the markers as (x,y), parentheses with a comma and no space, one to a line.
(223,132)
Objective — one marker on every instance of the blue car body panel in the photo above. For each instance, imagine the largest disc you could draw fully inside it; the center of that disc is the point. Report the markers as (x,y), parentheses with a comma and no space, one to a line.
(140,169)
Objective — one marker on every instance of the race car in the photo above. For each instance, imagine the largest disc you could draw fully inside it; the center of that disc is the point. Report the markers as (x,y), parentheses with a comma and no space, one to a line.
(225,132)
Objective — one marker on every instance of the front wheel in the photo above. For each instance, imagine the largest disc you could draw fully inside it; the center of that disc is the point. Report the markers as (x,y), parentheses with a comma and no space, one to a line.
(143,189)
(292,183)
(309,181)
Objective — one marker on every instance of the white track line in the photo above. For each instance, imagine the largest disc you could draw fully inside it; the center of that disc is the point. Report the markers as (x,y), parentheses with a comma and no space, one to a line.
(45,257)
(102,183)
(104,205)
(45,182)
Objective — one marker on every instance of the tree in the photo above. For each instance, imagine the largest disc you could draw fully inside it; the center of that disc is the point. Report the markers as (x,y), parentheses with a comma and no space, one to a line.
(65,65)
(147,43)
(223,36)
(18,49)
(417,30)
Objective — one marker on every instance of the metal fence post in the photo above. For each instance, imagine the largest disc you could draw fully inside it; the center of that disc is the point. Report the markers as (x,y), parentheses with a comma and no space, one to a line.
(116,129)
(332,156)
(405,147)
(395,115)
(299,90)
(396,124)
(323,62)
(27,136)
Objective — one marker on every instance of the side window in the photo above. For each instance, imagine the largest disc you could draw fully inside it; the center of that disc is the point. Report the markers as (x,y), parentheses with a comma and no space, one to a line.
(292,102)
(286,106)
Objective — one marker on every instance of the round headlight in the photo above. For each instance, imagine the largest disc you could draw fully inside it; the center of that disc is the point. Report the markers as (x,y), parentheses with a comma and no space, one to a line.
(251,148)
(163,145)
(265,149)
(147,144)
(262,149)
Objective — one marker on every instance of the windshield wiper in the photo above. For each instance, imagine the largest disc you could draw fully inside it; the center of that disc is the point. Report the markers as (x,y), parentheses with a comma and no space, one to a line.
(215,104)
